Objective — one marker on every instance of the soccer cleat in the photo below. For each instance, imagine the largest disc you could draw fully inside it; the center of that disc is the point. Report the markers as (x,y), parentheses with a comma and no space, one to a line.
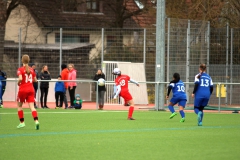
(130,118)
(37,125)
(182,120)
(173,115)
(1,106)
(21,125)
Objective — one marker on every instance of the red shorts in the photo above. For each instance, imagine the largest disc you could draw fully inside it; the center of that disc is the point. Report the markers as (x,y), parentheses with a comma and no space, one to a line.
(26,96)
(126,96)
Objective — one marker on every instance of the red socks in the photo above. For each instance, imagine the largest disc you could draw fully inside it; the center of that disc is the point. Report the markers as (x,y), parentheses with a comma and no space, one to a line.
(21,116)
(35,115)
(130,111)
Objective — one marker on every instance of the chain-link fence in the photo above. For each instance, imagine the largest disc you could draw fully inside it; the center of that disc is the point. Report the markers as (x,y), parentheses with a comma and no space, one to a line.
(188,43)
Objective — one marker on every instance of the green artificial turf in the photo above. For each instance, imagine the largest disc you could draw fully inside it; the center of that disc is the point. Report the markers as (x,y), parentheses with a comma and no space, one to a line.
(107,135)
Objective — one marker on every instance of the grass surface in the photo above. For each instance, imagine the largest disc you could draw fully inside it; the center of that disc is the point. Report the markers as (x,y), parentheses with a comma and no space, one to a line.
(107,135)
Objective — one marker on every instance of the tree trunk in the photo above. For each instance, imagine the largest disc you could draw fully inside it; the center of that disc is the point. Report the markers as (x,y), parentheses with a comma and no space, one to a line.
(3,9)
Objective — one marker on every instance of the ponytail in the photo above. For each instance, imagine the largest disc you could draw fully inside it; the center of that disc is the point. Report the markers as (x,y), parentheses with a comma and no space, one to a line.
(27,70)
(202,67)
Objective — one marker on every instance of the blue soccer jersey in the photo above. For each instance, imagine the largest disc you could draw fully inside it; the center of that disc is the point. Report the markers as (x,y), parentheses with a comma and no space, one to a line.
(178,90)
(204,84)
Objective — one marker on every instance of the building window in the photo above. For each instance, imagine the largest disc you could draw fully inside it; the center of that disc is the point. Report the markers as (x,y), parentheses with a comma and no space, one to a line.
(72,38)
(92,5)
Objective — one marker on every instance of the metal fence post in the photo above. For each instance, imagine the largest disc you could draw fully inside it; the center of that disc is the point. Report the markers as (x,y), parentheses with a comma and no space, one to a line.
(19,47)
(227,50)
(219,96)
(144,46)
(60,51)
(187,59)
(160,54)
(102,51)
(208,45)
(231,66)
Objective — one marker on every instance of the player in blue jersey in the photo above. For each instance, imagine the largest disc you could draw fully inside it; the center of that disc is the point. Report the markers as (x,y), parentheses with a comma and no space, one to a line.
(202,91)
(179,96)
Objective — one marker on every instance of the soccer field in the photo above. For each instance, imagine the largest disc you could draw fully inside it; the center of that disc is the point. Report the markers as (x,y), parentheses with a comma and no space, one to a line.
(107,135)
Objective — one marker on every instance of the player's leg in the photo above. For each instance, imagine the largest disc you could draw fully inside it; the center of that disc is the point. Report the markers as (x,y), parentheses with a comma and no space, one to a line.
(30,100)
(182,104)
(198,110)
(131,109)
(41,97)
(204,103)
(45,97)
(172,102)
(20,100)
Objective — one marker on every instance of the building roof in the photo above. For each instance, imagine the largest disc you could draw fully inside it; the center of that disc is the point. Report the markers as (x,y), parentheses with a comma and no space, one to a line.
(48,13)
(65,46)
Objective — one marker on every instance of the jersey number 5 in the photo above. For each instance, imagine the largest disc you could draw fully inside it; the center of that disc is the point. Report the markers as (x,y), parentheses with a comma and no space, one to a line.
(28,78)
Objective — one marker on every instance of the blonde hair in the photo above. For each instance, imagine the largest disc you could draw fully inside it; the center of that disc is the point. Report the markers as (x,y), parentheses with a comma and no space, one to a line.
(25,61)
(43,69)
(70,64)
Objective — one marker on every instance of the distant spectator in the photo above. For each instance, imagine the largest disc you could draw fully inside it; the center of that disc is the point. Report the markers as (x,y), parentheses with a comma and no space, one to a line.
(72,85)
(77,102)
(3,77)
(59,92)
(64,75)
(35,84)
(44,86)
(101,89)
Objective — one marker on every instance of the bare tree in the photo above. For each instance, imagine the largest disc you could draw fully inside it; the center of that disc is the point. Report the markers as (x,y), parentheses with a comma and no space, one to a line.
(6,7)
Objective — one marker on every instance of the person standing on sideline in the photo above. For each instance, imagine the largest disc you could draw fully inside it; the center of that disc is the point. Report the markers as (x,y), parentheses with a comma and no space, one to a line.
(26,76)
(59,92)
(1,106)
(3,78)
(72,85)
(64,75)
(101,89)
(35,84)
(179,96)
(44,86)
(121,83)
(203,89)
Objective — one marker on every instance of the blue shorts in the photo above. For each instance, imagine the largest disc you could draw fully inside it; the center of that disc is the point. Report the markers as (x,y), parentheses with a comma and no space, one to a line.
(198,102)
(180,101)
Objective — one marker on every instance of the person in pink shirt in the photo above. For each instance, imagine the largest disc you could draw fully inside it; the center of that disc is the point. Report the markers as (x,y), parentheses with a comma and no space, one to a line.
(72,75)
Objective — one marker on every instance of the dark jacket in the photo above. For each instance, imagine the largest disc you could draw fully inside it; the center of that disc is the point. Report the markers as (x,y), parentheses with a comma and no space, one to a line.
(44,76)
(96,78)
(3,77)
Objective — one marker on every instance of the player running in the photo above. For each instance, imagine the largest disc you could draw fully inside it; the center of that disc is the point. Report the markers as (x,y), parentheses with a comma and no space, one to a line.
(121,83)
(179,96)
(26,93)
(202,91)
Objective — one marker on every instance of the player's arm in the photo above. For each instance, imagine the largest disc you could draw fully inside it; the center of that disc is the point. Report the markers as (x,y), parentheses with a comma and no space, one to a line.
(34,79)
(117,92)
(169,90)
(211,87)
(133,81)
(19,79)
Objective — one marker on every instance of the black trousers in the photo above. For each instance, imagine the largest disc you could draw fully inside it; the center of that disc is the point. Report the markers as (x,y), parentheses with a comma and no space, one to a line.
(61,96)
(72,95)
(43,97)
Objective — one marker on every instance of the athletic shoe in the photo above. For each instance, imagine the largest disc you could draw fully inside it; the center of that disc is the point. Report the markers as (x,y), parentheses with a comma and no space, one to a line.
(46,107)
(200,124)
(1,106)
(182,120)
(130,118)
(21,125)
(37,125)
(172,115)
(56,107)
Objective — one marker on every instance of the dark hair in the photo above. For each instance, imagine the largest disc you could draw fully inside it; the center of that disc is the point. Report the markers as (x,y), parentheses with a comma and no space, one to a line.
(202,67)
(176,76)
(59,76)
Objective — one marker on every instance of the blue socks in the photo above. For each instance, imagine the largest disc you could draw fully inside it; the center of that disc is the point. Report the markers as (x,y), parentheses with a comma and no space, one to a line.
(182,113)
(171,109)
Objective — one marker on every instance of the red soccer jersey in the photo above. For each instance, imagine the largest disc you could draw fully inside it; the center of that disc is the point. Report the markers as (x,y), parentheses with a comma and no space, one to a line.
(122,80)
(27,80)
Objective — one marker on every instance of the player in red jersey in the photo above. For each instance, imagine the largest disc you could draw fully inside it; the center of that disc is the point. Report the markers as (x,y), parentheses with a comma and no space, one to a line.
(121,83)
(26,93)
